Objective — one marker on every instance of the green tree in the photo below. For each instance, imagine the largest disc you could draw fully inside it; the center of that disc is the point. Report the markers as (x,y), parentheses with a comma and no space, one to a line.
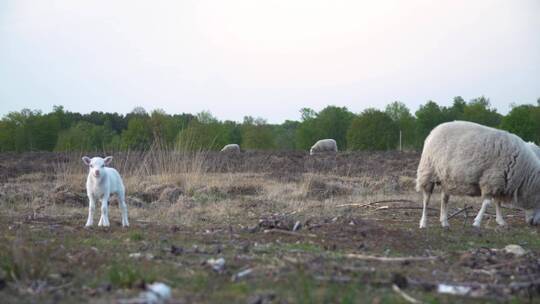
(524,121)
(401,115)
(257,134)
(286,135)
(138,135)
(85,136)
(479,110)
(332,122)
(204,133)
(428,117)
(372,130)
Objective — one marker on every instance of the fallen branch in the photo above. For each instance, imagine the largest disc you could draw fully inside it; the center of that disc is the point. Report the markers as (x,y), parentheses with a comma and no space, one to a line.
(290,233)
(405,296)
(376,202)
(404,207)
(389,259)
(460,211)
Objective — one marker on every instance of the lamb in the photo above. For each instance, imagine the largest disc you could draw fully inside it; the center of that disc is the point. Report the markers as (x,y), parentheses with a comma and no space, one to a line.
(100,184)
(231,148)
(324,145)
(466,158)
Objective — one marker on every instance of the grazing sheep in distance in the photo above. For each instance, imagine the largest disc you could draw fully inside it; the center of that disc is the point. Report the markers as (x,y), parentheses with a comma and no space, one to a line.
(324,145)
(231,148)
(100,184)
(466,158)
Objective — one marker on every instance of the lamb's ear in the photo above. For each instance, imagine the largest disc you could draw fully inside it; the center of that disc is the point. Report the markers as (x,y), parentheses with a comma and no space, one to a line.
(108,160)
(86,160)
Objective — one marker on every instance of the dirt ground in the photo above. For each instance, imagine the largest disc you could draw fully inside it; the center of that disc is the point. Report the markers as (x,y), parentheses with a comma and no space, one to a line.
(290,228)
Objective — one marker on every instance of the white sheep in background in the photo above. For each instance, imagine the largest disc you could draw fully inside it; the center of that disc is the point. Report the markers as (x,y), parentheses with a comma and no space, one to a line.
(324,145)
(231,148)
(100,184)
(466,158)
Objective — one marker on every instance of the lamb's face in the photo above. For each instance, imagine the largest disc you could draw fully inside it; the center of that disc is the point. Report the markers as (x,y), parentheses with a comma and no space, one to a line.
(97,165)
(532,217)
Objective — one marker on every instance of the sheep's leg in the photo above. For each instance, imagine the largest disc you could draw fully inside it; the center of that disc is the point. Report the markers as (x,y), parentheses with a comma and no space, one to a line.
(123,208)
(499,217)
(91,210)
(478,219)
(104,220)
(444,210)
(423,220)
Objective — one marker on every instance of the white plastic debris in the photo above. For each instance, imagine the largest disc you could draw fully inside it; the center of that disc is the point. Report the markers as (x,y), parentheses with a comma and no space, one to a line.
(515,249)
(217,264)
(157,293)
(453,289)
(138,255)
(242,274)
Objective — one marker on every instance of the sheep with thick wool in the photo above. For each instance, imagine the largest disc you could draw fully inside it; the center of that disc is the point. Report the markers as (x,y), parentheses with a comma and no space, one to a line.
(466,158)
(534,148)
(100,184)
(231,148)
(324,145)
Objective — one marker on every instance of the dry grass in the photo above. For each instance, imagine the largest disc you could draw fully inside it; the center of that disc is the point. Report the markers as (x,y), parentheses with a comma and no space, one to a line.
(176,198)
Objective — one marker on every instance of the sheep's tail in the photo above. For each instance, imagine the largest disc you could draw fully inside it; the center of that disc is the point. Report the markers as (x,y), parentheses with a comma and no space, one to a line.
(423,175)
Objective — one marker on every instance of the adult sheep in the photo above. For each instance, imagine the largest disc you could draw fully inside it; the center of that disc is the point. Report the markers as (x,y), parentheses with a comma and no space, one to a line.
(324,145)
(466,158)
(534,148)
(231,148)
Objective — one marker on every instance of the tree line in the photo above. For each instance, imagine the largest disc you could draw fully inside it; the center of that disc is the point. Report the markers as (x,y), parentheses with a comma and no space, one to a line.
(372,129)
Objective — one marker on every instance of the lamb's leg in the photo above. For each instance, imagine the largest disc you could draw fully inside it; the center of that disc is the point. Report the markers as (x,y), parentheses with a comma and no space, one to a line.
(123,208)
(444,210)
(423,220)
(499,217)
(91,210)
(478,219)
(104,220)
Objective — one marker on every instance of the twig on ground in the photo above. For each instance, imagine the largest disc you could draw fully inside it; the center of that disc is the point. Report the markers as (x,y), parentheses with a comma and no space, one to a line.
(405,296)
(376,202)
(290,233)
(404,207)
(53,289)
(390,259)
(460,211)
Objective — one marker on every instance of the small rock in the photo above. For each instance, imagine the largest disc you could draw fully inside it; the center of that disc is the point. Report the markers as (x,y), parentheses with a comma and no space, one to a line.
(177,250)
(261,298)
(515,249)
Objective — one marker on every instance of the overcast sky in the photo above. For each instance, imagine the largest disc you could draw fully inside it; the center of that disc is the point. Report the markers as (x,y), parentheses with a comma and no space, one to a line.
(265,58)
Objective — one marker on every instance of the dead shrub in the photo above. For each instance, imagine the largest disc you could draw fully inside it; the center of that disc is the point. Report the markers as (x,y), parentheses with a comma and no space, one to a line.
(67,194)
(246,189)
(170,194)
(318,188)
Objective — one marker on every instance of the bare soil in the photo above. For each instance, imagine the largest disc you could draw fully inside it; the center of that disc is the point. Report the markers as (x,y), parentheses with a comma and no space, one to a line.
(291,228)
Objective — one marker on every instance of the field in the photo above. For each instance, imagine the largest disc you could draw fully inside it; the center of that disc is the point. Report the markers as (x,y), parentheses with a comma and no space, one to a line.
(291,228)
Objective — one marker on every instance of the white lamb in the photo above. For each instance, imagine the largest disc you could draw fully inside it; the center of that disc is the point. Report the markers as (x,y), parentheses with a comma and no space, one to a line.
(466,158)
(324,145)
(231,148)
(100,184)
